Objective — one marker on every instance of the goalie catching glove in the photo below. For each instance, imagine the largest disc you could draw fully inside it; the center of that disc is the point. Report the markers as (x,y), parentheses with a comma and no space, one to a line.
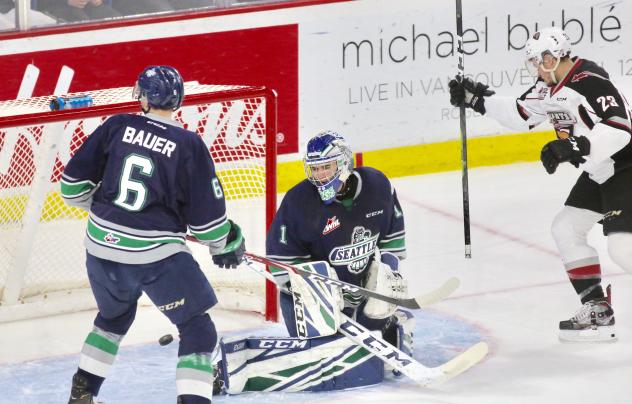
(571,149)
(383,277)
(233,253)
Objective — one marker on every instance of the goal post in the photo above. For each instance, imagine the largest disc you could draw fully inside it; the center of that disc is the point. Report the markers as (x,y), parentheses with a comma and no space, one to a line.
(42,257)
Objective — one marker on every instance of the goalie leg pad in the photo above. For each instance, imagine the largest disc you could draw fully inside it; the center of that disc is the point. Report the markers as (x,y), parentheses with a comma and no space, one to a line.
(293,364)
(316,305)
(383,277)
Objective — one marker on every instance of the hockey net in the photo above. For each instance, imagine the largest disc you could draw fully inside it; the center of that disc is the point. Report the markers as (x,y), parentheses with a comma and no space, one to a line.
(42,257)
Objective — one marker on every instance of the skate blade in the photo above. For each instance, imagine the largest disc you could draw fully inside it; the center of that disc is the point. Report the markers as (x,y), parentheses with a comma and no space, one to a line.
(599,335)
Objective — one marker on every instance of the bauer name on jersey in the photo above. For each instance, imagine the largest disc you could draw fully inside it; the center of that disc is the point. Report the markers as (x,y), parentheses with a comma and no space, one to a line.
(585,103)
(344,233)
(125,174)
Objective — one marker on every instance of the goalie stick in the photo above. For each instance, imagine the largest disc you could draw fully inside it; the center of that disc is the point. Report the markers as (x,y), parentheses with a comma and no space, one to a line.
(417,302)
(423,375)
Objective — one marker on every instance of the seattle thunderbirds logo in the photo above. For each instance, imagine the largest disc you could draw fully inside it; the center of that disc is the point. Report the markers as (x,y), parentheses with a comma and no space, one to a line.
(357,254)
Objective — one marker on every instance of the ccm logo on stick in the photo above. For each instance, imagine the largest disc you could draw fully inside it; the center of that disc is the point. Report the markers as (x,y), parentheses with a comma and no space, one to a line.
(376,345)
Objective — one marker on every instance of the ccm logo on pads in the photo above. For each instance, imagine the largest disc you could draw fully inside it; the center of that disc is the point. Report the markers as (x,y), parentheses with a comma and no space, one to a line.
(282,344)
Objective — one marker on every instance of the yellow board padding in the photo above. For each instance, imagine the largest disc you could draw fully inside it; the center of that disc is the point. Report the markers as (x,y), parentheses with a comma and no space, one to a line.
(12,209)
(55,208)
(437,157)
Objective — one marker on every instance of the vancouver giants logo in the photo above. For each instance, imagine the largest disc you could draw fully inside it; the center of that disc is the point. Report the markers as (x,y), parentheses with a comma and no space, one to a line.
(332,224)
(357,254)
(562,121)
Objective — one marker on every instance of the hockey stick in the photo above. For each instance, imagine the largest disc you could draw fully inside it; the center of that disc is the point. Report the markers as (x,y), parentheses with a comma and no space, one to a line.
(464,180)
(418,302)
(394,357)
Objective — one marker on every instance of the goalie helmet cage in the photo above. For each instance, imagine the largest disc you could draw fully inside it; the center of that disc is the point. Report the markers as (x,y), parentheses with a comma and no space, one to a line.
(42,257)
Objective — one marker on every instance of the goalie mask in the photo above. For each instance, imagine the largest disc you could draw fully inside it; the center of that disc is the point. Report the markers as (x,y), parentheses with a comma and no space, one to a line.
(328,163)
(551,42)
(161,86)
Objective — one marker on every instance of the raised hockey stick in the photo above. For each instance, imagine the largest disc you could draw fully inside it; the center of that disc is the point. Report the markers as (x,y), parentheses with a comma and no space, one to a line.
(418,302)
(464,178)
(423,375)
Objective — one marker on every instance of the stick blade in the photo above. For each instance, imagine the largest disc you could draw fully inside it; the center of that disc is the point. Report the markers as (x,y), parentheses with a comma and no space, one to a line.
(462,362)
(438,294)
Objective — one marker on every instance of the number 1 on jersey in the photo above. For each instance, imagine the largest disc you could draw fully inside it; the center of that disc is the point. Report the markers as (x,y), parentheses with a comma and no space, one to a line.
(133,189)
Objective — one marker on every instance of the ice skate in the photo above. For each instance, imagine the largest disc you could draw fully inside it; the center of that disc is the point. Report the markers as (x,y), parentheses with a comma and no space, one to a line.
(79,393)
(594,322)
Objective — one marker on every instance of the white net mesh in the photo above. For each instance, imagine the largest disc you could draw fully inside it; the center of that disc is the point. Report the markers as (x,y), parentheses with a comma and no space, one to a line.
(41,238)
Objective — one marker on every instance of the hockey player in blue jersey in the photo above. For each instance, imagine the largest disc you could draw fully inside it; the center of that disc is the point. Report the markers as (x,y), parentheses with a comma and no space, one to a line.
(344,216)
(144,180)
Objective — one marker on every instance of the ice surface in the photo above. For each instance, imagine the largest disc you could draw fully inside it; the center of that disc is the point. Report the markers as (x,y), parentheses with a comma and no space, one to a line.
(514,291)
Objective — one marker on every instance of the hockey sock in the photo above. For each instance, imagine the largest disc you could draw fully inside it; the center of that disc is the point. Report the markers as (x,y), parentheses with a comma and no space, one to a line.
(194,374)
(97,355)
(118,325)
(587,282)
(197,335)
(194,377)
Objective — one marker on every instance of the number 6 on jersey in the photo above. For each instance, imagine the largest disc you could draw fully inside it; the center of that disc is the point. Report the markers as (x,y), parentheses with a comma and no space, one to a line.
(133,193)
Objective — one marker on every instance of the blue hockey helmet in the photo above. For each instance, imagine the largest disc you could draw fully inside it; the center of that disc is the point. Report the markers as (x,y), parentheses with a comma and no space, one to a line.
(162,86)
(328,162)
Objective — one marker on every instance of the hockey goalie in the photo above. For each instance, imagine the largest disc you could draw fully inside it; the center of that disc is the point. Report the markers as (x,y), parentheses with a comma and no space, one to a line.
(338,216)
(345,226)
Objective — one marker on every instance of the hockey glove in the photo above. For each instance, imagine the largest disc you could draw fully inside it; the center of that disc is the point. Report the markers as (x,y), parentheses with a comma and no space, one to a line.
(559,151)
(233,254)
(469,93)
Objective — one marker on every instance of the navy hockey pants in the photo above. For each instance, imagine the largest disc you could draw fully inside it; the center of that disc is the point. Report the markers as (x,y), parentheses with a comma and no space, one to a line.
(176,285)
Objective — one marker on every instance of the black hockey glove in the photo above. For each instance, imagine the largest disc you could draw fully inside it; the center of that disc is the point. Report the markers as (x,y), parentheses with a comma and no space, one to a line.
(559,151)
(469,93)
(233,254)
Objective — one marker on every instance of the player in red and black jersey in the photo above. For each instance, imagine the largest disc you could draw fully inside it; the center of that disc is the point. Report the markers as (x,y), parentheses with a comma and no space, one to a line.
(593,124)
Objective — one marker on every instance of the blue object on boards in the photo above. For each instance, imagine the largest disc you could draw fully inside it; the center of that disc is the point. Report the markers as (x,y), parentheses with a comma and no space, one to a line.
(71,102)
